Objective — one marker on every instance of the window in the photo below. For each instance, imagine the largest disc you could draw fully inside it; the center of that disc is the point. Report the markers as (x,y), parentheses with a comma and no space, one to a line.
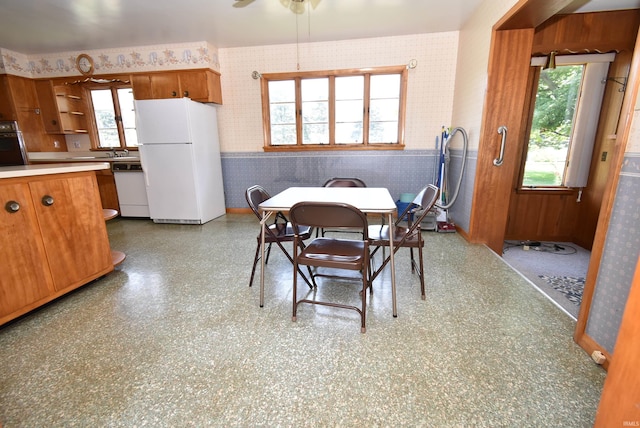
(348,109)
(114,117)
(564,115)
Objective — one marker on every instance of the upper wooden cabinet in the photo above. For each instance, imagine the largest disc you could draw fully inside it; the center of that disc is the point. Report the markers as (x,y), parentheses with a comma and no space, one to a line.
(6,103)
(26,107)
(199,85)
(63,108)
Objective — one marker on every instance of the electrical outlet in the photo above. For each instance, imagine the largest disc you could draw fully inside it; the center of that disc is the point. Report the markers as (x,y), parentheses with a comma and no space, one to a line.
(56,144)
(598,357)
(76,144)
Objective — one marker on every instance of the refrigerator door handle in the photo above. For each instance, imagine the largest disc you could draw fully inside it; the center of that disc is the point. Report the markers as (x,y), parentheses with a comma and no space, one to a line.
(145,171)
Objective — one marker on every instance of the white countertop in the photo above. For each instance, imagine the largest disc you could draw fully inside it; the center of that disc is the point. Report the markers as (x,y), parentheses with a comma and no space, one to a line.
(77,156)
(54,168)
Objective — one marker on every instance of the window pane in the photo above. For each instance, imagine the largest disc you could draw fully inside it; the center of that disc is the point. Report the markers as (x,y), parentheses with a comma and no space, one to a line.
(105,118)
(349,88)
(282,109)
(282,91)
(552,125)
(315,111)
(125,99)
(385,86)
(384,108)
(283,135)
(349,109)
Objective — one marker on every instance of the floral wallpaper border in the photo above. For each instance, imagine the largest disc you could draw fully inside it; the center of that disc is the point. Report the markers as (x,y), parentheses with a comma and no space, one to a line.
(111,61)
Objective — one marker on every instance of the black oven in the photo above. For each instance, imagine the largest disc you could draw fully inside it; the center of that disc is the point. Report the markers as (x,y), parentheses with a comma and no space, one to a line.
(12,151)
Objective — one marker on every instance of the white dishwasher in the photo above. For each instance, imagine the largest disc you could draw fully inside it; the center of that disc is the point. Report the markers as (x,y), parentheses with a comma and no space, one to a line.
(132,192)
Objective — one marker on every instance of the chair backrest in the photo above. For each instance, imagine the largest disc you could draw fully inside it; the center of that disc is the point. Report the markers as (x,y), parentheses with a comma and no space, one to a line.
(344,182)
(423,202)
(256,195)
(327,214)
(425,199)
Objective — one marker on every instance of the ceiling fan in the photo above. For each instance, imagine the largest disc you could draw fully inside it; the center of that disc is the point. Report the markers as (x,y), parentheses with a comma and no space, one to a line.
(296,6)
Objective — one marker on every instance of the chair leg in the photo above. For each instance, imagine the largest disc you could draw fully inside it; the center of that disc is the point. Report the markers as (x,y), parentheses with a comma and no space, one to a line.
(412,261)
(295,291)
(255,263)
(420,270)
(266,257)
(363,313)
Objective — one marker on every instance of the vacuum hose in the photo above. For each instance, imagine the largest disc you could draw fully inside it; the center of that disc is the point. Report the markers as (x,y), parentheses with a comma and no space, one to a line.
(448,203)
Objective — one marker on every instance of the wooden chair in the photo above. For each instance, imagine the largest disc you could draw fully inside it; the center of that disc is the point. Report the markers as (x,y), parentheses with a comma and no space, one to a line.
(405,236)
(332,253)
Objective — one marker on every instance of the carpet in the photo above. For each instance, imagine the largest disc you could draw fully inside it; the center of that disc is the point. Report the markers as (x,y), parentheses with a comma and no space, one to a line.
(557,269)
(570,287)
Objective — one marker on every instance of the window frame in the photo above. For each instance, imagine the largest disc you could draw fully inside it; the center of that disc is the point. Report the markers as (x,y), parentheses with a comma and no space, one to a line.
(113,87)
(532,87)
(331,75)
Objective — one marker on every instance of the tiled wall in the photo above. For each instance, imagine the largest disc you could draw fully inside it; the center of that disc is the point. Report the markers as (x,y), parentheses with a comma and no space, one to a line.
(399,171)
(429,93)
(619,258)
(622,247)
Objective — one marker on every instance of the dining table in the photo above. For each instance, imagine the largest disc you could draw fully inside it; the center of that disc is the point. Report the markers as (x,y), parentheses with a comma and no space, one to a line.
(369,200)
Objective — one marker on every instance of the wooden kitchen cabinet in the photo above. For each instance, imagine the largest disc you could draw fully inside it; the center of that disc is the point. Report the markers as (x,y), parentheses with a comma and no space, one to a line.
(53,241)
(108,191)
(24,95)
(48,107)
(199,85)
(156,86)
(63,108)
(6,103)
(25,277)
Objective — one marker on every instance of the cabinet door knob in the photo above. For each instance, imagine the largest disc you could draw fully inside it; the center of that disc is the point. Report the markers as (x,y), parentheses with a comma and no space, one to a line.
(174,93)
(12,207)
(47,200)
(186,94)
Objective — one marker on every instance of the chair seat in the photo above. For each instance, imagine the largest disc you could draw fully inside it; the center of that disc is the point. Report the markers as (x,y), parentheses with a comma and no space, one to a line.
(284,232)
(333,253)
(379,236)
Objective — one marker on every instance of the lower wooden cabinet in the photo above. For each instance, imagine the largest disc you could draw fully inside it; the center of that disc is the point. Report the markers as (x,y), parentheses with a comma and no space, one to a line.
(53,239)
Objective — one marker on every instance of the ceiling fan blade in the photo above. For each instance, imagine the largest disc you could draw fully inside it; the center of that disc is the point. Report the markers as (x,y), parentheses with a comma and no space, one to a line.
(242,3)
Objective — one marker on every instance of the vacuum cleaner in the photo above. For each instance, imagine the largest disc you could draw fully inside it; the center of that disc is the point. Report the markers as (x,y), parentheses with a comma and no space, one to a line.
(448,194)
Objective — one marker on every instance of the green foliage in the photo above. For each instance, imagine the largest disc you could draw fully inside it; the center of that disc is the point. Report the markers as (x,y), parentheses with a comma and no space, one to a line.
(556,101)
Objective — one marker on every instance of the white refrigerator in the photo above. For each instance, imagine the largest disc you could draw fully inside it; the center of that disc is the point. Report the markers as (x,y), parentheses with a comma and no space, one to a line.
(180,156)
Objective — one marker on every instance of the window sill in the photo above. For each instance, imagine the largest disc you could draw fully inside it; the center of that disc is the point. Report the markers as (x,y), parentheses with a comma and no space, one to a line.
(547,190)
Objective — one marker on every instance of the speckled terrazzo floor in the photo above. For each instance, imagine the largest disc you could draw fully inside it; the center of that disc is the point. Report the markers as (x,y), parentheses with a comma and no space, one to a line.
(175,337)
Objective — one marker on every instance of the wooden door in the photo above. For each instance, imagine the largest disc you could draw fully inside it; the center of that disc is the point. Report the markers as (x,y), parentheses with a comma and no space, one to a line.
(48,107)
(24,271)
(73,228)
(201,85)
(506,94)
(165,85)
(141,84)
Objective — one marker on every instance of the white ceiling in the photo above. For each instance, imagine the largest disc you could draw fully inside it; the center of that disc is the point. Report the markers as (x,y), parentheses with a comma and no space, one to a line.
(50,26)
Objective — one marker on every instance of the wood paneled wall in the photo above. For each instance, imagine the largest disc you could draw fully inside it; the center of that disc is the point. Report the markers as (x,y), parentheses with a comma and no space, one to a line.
(557,216)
